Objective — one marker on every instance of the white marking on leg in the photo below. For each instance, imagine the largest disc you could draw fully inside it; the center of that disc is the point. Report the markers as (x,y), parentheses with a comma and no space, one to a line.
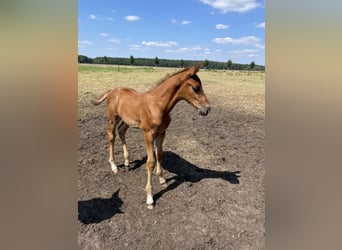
(162,182)
(127,163)
(113,166)
(149,200)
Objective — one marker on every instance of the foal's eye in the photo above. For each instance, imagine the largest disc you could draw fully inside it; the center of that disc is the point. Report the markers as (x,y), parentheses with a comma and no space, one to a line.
(196,89)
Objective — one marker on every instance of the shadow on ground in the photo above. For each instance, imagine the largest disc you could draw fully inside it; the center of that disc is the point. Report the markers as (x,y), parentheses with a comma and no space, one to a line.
(99,209)
(186,172)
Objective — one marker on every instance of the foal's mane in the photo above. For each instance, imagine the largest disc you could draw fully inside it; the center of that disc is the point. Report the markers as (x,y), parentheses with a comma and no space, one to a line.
(169,76)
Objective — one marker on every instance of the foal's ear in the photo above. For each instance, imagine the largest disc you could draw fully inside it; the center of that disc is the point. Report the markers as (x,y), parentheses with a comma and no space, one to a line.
(196,68)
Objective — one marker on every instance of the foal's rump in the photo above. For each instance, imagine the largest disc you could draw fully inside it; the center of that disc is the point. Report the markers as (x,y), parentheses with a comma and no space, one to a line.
(122,102)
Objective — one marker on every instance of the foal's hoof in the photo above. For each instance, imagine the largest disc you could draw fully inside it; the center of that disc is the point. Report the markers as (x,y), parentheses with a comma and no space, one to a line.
(150,206)
(115,171)
(164,184)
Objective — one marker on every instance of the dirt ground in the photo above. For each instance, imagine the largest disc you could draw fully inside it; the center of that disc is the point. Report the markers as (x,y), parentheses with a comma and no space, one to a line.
(214,167)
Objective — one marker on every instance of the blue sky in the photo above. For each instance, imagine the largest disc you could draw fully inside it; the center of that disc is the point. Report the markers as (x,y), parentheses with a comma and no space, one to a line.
(216,30)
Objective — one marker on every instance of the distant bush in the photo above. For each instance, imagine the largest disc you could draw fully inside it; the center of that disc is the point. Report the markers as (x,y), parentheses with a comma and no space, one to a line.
(84,59)
(151,62)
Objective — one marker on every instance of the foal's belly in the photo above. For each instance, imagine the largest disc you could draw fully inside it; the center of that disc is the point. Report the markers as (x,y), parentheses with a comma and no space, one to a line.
(134,123)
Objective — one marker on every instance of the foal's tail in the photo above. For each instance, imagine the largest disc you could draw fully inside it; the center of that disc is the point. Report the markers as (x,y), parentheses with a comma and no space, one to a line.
(100,98)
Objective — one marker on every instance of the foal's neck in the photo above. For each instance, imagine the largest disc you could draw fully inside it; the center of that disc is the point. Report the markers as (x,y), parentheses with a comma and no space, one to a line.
(168,92)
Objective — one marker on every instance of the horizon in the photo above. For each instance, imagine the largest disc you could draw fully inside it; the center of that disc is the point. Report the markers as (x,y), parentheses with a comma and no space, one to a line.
(170,59)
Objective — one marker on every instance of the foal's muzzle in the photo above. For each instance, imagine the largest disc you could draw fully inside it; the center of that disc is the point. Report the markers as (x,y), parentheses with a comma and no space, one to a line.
(204,110)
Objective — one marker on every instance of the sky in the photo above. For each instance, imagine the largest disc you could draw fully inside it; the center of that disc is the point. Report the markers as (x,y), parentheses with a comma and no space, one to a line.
(214,30)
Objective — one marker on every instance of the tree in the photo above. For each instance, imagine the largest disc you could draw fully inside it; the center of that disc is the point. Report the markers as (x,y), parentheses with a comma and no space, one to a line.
(156,61)
(252,65)
(182,63)
(131,60)
(105,59)
(84,59)
(206,63)
(229,64)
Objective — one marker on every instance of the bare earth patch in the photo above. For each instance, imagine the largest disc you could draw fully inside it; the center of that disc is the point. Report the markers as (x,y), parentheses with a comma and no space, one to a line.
(214,167)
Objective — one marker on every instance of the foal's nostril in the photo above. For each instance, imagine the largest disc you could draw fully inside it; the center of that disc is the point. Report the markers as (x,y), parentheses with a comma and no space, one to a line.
(204,110)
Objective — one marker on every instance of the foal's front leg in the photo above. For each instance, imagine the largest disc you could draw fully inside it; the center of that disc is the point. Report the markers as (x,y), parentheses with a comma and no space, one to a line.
(148,136)
(159,154)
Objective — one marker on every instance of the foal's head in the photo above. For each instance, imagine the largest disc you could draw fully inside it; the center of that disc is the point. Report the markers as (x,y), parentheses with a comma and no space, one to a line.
(192,91)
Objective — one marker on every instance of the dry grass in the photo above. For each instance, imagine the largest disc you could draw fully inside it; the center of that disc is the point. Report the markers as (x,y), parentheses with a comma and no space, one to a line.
(240,90)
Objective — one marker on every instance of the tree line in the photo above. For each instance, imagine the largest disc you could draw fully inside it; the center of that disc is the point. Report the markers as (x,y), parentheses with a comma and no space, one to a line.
(156,62)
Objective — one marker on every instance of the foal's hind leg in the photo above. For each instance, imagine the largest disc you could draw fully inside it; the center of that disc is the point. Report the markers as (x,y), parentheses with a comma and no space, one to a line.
(122,128)
(159,154)
(112,123)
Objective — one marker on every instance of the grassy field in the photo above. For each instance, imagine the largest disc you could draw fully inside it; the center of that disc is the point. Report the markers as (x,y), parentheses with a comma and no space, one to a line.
(221,87)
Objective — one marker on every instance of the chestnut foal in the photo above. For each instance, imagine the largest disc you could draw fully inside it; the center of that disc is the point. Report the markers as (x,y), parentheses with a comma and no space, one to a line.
(150,112)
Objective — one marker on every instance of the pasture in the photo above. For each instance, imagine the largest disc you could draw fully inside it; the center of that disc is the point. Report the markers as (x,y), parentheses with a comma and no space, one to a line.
(214,166)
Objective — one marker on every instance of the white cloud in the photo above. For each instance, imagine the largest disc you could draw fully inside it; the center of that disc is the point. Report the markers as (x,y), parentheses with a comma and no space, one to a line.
(85,42)
(135,47)
(132,18)
(100,18)
(221,26)
(180,50)
(232,5)
(185,22)
(261,25)
(242,53)
(159,44)
(242,41)
(259,46)
(114,40)
(196,48)
(103,34)
(207,51)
